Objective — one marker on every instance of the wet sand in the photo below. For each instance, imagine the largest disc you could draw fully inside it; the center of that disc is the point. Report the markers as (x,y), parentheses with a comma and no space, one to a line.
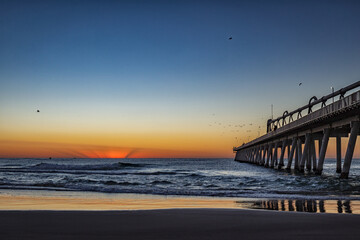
(88,201)
(177,224)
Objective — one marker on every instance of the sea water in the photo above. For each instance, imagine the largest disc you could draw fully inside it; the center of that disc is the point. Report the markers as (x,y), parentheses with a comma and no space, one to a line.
(186,177)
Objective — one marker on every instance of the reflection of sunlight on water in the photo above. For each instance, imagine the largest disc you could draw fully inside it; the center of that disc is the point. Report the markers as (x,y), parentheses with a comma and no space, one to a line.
(305,205)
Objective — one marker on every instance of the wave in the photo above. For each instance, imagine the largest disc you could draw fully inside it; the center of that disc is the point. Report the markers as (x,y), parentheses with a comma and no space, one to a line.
(161,182)
(110,182)
(11,165)
(112,166)
(156,173)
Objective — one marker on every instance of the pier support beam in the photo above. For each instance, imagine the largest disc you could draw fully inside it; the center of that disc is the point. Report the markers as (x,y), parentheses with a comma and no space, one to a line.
(338,154)
(263,157)
(324,144)
(259,155)
(305,153)
(288,149)
(268,155)
(274,158)
(309,154)
(237,155)
(271,153)
(298,154)
(290,157)
(350,149)
(255,155)
(281,160)
(313,154)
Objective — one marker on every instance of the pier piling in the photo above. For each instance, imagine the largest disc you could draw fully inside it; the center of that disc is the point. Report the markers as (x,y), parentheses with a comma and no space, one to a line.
(292,151)
(281,161)
(338,154)
(313,155)
(305,153)
(324,144)
(350,149)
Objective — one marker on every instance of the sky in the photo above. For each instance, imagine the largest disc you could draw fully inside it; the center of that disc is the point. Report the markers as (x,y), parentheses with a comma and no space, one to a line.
(162,78)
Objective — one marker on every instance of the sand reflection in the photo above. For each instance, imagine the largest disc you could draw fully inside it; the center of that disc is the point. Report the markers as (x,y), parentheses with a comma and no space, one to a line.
(305,205)
(92,201)
(52,200)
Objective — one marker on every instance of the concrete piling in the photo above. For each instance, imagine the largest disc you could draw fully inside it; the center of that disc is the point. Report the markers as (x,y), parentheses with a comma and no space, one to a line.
(288,149)
(305,154)
(292,151)
(263,158)
(298,154)
(268,155)
(313,155)
(281,161)
(350,149)
(309,155)
(338,154)
(274,159)
(324,144)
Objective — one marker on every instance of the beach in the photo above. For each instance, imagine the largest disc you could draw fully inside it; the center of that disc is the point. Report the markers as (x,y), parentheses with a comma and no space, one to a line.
(172,199)
(176,224)
(143,199)
(28,214)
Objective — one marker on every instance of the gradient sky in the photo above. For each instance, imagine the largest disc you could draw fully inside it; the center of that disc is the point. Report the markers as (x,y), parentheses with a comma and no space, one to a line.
(161,78)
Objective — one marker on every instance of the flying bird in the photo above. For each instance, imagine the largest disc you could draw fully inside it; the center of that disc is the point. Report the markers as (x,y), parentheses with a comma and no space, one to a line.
(37,110)
(230,38)
(300,84)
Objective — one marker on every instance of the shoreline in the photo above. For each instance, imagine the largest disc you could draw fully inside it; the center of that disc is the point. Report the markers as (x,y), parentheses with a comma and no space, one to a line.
(176,224)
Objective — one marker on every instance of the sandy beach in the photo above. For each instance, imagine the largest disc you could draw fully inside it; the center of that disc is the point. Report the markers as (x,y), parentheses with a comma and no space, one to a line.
(176,224)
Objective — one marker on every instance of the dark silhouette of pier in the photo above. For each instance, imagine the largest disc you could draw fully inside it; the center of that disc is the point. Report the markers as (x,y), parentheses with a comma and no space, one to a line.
(298,132)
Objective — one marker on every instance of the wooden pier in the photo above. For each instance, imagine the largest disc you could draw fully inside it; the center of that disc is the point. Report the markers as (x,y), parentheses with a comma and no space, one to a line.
(298,131)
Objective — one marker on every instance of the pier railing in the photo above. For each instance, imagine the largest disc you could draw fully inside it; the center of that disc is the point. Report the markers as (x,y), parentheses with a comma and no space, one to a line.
(299,113)
(345,103)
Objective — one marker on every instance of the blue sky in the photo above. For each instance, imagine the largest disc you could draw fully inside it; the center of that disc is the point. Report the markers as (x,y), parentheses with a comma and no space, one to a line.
(168,66)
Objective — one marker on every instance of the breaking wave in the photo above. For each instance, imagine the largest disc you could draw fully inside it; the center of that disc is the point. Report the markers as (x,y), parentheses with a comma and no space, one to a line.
(93,167)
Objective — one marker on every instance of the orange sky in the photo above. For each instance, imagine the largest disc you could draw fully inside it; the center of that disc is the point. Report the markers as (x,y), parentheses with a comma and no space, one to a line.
(109,147)
(44,135)
(95,146)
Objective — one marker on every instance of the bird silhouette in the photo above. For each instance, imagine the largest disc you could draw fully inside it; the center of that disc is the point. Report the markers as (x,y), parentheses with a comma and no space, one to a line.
(230,38)
(38,111)
(300,84)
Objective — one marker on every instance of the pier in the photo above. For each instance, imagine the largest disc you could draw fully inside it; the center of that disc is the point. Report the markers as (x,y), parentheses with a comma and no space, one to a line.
(296,134)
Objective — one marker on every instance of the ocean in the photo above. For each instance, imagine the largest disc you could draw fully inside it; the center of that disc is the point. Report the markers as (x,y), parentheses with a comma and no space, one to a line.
(178,177)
